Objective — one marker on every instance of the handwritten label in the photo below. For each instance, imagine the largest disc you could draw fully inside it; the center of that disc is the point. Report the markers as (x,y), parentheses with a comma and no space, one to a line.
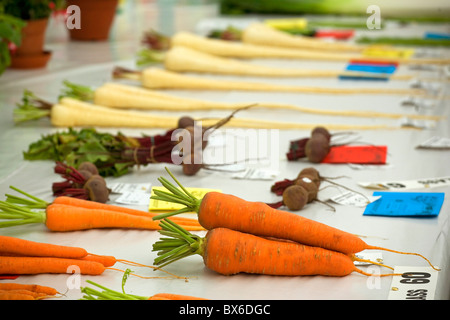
(407,184)
(406,204)
(414,283)
(357,154)
(134,198)
(439,143)
(256,174)
(158,205)
(388,52)
(349,198)
(120,187)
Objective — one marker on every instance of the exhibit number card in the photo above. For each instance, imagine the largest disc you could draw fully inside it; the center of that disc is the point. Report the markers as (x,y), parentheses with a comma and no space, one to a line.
(406,204)
(158,205)
(414,283)
(357,154)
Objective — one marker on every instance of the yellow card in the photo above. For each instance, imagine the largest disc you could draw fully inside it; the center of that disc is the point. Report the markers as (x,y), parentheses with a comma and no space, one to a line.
(388,52)
(287,23)
(158,205)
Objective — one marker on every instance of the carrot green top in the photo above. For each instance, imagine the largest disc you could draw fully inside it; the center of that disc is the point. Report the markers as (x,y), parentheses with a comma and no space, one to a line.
(175,195)
(178,244)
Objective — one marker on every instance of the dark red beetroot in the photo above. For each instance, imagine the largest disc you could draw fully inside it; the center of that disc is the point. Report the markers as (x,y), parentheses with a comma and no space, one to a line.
(97,189)
(317,148)
(295,197)
(307,182)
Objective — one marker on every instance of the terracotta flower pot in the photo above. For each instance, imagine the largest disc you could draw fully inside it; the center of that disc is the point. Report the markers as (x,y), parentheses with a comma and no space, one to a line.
(96,18)
(30,54)
(33,61)
(33,37)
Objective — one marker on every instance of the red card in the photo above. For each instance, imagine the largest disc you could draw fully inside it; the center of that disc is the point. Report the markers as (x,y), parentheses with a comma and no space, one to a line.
(373,61)
(357,154)
(337,34)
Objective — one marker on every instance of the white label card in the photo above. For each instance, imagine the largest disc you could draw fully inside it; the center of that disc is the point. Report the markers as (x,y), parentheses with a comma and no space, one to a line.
(414,283)
(435,143)
(134,198)
(349,198)
(120,187)
(407,184)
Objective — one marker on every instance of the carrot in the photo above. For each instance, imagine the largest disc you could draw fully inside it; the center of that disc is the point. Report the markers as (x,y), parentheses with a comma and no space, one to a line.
(70,214)
(87,204)
(30,287)
(156,78)
(11,295)
(16,246)
(228,211)
(173,296)
(40,265)
(109,294)
(230,252)
(35,295)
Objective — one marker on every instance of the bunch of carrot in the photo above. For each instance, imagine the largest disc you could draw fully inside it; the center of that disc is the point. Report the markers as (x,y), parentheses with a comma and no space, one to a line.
(72,214)
(25,257)
(19,291)
(252,237)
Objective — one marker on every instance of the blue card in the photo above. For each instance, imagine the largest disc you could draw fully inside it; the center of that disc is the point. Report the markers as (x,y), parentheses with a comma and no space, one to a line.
(405,204)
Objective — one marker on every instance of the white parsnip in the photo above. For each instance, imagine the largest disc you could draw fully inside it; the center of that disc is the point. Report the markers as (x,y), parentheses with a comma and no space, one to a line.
(262,34)
(184,59)
(75,113)
(118,95)
(157,78)
(70,112)
(247,50)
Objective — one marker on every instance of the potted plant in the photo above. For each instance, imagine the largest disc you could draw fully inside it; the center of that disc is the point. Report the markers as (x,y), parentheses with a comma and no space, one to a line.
(35,13)
(96,18)
(10,35)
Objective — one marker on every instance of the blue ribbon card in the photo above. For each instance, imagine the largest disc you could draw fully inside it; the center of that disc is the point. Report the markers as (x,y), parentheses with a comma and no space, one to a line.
(405,204)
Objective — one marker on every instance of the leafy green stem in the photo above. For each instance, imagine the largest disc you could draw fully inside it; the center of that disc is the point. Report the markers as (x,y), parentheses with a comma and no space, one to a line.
(179,244)
(31,203)
(18,215)
(149,56)
(77,91)
(175,195)
(31,108)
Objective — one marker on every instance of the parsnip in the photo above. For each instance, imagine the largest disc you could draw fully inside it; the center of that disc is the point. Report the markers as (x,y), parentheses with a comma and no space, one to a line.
(247,50)
(74,113)
(262,34)
(118,95)
(156,78)
(184,59)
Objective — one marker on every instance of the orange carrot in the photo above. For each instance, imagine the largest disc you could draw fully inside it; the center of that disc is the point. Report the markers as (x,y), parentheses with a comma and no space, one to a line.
(97,205)
(11,295)
(109,294)
(15,246)
(230,252)
(59,217)
(228,211)
(39,265)
(173,296)
(28,292)
(17,210)
(30,287)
